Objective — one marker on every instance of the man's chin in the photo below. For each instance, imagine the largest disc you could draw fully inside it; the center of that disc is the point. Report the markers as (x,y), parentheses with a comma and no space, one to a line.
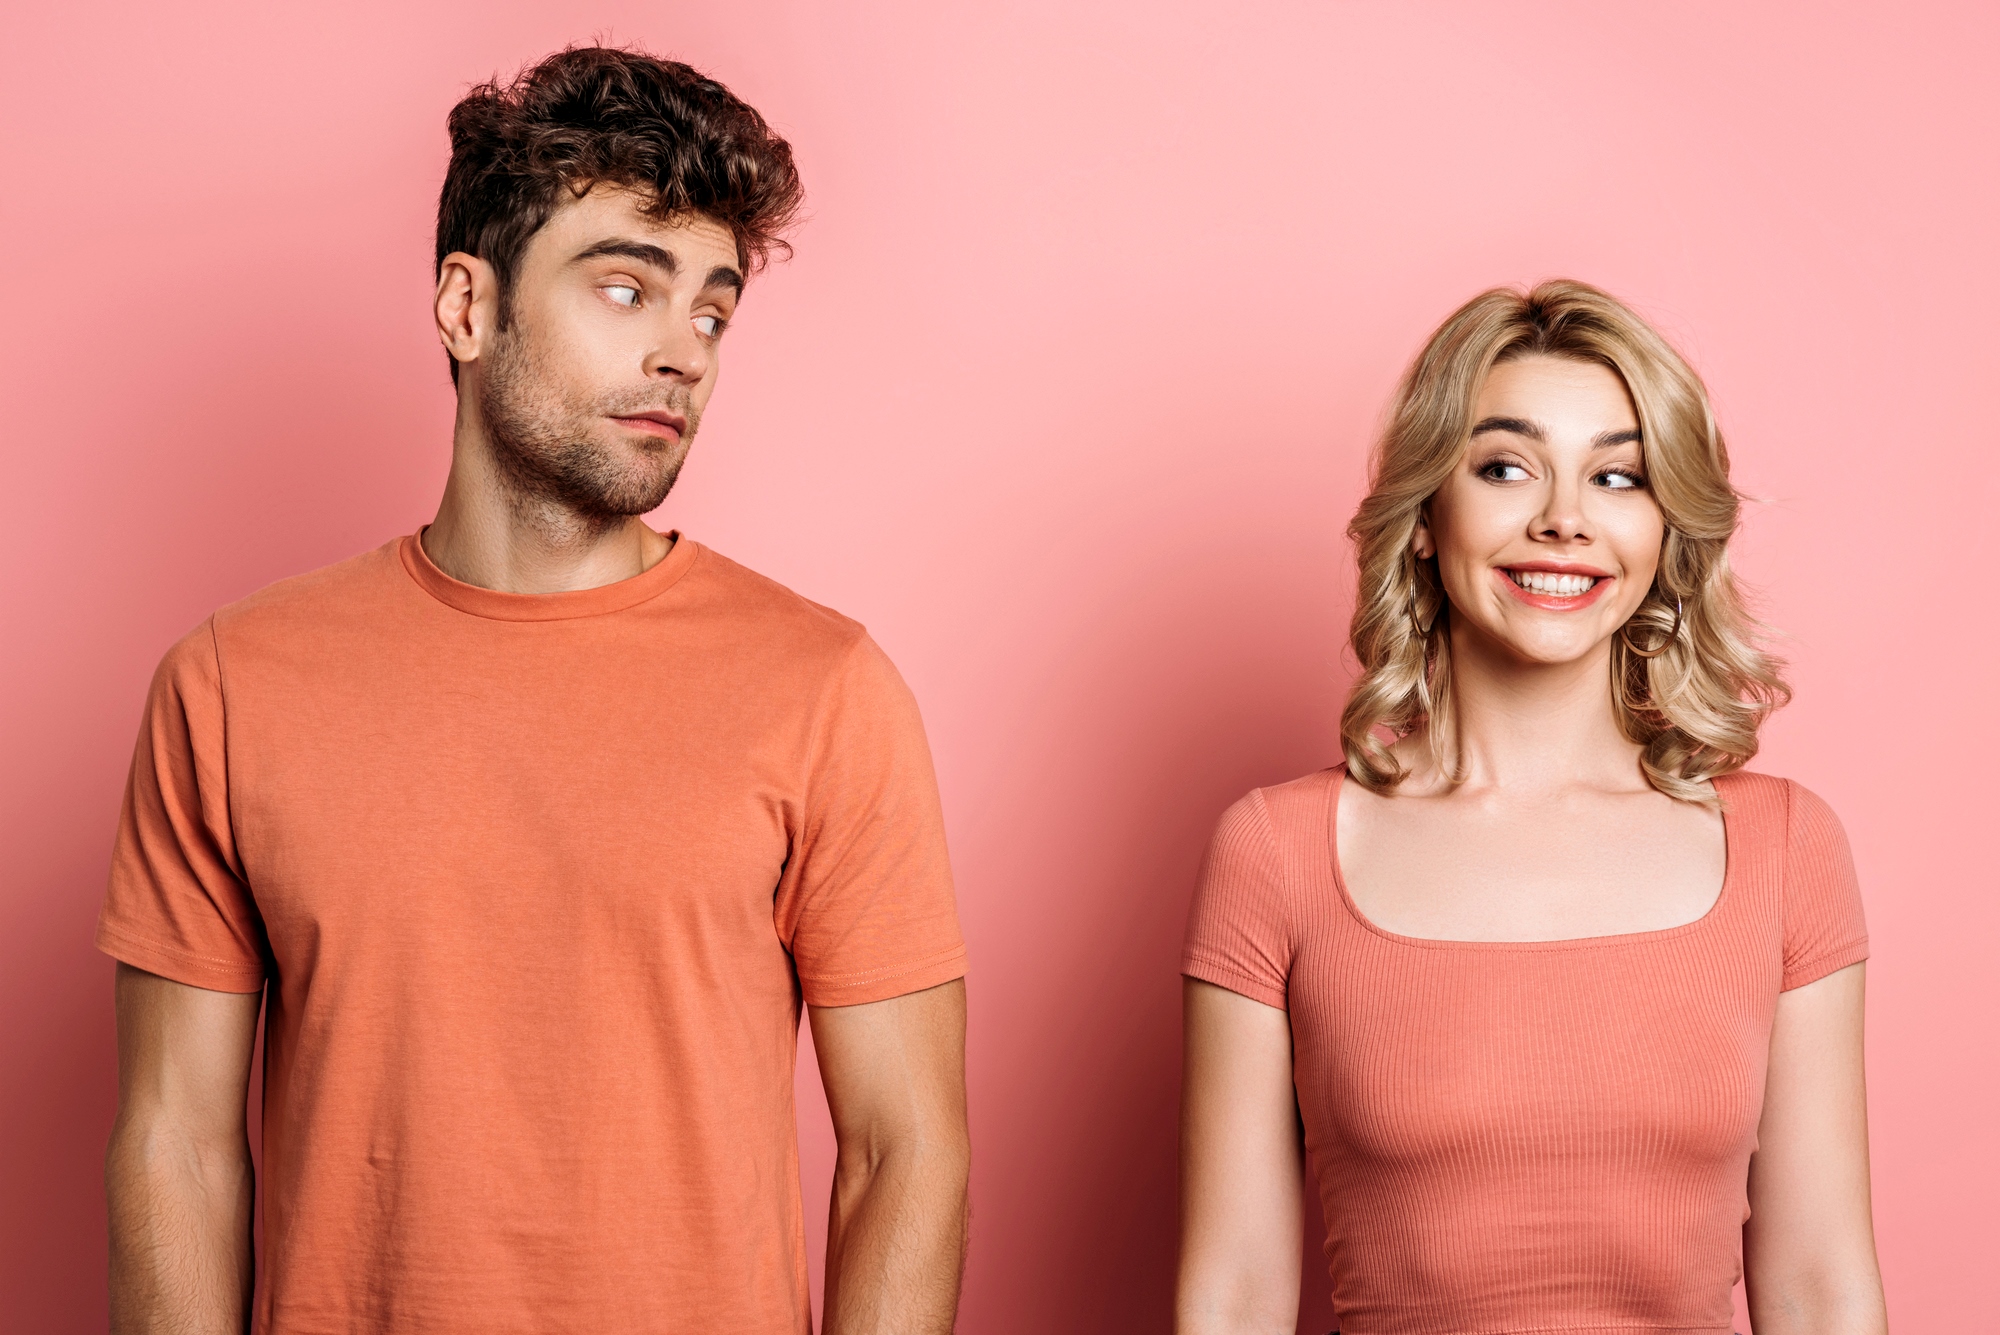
(628,499)
(649,473)
(601,482)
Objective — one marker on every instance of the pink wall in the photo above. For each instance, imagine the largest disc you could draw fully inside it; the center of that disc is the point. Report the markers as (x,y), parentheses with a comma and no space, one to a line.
(1066,395)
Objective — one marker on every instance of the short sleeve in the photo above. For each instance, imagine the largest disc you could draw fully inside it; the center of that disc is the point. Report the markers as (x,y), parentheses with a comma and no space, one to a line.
(177,904)
(1824,928)
(866,905)
(1239,927)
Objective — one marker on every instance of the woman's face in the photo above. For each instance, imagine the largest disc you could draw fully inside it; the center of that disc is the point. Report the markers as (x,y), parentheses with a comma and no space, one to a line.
(1546,534)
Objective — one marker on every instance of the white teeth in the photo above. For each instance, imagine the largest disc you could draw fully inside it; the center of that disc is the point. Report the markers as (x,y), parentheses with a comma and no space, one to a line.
(1543,581)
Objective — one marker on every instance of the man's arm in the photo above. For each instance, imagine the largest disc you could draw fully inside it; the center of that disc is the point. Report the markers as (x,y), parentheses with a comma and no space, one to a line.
(178,1171)
(1809,1248)
(895,1082)
(1242,1168)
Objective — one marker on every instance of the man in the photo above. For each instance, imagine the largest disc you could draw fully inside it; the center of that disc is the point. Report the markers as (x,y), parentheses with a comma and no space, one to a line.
(535,828)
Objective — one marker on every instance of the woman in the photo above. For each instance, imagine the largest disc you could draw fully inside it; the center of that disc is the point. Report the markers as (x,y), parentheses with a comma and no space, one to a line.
(1561,1005)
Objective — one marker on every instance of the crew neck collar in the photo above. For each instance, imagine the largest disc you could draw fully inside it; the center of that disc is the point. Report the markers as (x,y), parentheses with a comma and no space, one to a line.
(498,606)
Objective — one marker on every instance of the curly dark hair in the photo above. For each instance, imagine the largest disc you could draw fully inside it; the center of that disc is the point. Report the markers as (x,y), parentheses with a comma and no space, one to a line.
(593,115)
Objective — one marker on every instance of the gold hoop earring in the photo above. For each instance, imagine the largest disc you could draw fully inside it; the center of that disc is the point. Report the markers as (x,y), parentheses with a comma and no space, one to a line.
(1416,619)
(1663,646)
(1416,569)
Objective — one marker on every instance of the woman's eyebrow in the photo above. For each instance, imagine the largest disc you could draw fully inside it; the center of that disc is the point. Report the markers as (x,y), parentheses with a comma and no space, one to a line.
(1606,439)
(1519,426)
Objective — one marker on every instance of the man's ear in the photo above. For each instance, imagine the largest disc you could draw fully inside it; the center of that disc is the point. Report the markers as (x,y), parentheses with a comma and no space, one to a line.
(468,305)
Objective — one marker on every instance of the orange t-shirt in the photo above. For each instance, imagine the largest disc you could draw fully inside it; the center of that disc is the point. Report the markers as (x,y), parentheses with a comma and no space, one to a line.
(537,883)
(1528,1136)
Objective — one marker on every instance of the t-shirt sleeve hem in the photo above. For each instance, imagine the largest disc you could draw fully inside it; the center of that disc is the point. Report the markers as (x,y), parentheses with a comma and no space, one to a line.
(882,984)
(1818,967)
(1208,971)
(180,966)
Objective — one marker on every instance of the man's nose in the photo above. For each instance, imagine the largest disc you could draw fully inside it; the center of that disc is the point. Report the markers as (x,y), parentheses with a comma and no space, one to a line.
(679,352)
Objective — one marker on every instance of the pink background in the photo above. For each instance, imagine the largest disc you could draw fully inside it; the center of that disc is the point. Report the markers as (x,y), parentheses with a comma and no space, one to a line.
(1066,395)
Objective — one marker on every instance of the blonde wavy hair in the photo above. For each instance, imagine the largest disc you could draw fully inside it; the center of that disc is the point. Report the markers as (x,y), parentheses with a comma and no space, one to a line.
(1695,704)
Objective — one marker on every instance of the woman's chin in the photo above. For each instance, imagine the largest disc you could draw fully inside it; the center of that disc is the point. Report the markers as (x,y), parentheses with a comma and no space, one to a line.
(1552,647)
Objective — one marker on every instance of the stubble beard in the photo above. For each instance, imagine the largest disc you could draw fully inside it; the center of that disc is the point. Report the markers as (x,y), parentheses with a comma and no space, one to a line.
(559,479)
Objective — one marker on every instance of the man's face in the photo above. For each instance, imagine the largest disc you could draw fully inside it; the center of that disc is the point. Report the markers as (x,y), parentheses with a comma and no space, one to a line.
(592,392)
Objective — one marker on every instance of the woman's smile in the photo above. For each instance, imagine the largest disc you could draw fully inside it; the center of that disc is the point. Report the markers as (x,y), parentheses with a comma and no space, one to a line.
(1554,588)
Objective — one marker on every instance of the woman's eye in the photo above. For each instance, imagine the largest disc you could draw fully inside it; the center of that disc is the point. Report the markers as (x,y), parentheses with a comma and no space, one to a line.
(1502,471)
(708,326)
(1619,480)
(624,296)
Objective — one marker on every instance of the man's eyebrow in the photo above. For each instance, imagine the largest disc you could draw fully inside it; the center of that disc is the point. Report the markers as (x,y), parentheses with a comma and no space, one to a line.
(1519,426)
(644,252)
(722,275)
(1606,439)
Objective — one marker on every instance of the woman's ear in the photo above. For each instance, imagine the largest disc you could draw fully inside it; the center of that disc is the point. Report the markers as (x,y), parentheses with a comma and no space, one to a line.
(1422,546)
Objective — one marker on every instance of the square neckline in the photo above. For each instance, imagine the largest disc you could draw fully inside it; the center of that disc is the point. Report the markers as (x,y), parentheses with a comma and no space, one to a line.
(1730,861)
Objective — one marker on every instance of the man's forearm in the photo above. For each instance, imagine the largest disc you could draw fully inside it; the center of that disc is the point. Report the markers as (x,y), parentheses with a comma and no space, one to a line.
(180,1233)
(896,1243)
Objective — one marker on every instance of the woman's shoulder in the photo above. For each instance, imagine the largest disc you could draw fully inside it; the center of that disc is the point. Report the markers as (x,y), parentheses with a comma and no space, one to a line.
(1770,802)
(1289,811)
(1802,841)
(1317,786)
(1269,850)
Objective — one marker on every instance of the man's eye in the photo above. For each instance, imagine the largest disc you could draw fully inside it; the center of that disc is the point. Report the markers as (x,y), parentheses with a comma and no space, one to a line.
(1618,479)
(624,296)
(708,326)
(1501,471)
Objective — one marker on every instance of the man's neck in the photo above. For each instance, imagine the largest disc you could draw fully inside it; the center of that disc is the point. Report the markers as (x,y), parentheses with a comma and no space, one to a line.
(488,535)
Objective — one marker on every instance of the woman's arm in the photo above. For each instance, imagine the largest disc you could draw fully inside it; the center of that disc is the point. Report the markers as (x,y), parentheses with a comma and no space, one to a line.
(1241,1168)
(1809,1248)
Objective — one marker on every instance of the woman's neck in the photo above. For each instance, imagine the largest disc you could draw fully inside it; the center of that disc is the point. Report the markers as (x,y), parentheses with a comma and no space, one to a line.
(1526,726)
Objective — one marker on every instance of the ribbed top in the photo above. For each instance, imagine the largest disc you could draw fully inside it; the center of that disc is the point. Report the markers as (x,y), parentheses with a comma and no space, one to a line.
(1528,1136)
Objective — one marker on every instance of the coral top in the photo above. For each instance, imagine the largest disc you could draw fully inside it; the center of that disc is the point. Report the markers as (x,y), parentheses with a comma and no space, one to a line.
(1528,1136)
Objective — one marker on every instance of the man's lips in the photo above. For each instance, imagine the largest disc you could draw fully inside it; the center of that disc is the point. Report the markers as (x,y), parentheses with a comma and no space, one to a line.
(667,426)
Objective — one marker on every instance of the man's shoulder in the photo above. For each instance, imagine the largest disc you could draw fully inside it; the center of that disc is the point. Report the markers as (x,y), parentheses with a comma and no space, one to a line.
(359,585)
(274,616)
(764,607)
